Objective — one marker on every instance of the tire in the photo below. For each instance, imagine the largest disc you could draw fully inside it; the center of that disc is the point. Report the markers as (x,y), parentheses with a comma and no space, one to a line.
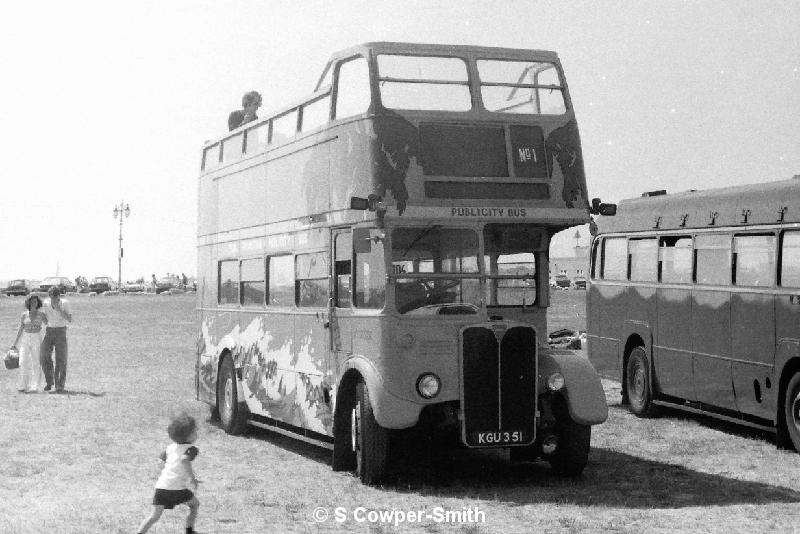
(638,384)
(572,452)
(344,457)
(791,411)
(369,439)
(232,413)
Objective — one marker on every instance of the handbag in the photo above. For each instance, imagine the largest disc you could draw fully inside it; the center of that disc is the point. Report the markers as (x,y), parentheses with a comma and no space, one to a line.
(11,359)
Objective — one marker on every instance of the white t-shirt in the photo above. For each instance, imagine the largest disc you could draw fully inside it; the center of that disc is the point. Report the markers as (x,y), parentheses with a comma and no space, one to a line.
(174,476)
(54,318)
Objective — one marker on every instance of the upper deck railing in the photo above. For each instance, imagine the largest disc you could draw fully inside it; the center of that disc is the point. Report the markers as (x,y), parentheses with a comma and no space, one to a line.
(450,125)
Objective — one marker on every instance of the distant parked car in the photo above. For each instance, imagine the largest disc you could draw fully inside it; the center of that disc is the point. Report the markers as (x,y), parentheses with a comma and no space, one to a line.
(579,282)
(62,282)
(165,284)
(563,281)
(101,284)
(19,287)
(133,287)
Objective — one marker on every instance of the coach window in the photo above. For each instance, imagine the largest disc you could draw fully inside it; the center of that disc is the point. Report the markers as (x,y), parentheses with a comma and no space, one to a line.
(790,260)
(280,273)
(615,258)
(370,279)
(643,259)
(343,249)
(754,260)
(228,282)
(675,259)
(352,94)
(713,259)
(252,285)
(311,279)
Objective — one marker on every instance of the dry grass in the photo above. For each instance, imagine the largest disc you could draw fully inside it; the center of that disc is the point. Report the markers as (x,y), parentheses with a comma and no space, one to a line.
(86,462)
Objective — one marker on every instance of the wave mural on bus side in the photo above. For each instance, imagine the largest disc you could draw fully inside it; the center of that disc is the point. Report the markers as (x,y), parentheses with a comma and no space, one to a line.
(280,379)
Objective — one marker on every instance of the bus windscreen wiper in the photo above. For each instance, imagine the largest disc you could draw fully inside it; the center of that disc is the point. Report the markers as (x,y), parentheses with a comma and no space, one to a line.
(422,234)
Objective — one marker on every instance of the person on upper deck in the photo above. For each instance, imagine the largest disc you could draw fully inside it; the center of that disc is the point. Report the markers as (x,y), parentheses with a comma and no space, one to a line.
(251,101)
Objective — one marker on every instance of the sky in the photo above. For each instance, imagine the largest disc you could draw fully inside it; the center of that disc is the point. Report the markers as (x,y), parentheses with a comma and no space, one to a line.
(107,102)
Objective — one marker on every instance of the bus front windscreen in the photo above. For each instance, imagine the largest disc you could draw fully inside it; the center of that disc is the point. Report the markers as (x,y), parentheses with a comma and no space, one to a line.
(435,270)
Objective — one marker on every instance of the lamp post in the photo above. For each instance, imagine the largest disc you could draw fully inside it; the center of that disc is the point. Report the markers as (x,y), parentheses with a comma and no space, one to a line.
(120,210)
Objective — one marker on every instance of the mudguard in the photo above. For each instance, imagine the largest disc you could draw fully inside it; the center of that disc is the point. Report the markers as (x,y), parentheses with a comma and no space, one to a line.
(586,399)
(390,410)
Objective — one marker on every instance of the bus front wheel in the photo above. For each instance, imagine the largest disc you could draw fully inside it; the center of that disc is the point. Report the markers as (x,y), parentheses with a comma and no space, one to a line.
(638,384)
(369,439)
(791,410)
(572,452)
(232,413)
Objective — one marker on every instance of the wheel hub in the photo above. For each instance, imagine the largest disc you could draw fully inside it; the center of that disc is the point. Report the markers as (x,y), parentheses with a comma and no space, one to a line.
(228,396)
(796,410)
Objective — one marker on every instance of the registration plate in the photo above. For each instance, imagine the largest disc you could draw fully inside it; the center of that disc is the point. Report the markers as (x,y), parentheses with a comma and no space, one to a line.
(501,437)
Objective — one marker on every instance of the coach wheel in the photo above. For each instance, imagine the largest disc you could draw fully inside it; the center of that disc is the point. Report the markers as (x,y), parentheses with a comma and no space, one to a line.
(232,413)
(791,410)
(369,439)
(637,382)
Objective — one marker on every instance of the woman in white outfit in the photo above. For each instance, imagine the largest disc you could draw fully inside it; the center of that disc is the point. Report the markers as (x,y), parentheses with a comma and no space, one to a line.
(30,332)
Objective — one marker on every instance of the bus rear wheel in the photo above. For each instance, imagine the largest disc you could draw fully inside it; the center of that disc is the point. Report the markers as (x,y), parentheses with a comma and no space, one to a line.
(638,384)
(791,410)
(232,413)
(369,439)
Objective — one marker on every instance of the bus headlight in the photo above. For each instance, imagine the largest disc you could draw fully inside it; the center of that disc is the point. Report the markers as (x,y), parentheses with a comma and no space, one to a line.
(428,385)
(555,382)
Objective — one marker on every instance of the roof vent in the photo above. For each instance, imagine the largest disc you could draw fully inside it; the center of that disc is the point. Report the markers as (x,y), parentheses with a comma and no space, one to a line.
(654,193)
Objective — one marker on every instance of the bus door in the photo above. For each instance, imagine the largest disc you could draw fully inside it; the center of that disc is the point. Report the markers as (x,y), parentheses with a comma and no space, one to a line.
(672,351)
(753,324)
(711,321)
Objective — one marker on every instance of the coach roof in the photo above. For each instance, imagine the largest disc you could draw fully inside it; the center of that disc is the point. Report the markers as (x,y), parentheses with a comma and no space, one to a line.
(744,205)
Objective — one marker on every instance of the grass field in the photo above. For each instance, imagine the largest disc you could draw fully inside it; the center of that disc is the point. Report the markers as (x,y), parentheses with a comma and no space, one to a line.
(86,461)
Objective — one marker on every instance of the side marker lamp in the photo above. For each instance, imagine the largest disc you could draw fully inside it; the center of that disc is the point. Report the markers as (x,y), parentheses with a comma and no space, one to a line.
(428,385)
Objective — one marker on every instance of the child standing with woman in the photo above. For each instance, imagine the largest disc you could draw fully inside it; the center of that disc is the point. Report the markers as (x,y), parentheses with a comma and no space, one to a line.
(177,477)
(30,332)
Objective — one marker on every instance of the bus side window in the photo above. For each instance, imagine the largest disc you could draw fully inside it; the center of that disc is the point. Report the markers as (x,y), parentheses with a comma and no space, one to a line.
(228,282)
(316,113)
(280,273)
(615,258)
(352,91)
(232,148)
(643,259)
(311,279)
(675,260)
(713,259)
(284,128)
(754,260)
(790,259)
(252,285)
(343,250)
(211,157)
(370,279)
(256,140)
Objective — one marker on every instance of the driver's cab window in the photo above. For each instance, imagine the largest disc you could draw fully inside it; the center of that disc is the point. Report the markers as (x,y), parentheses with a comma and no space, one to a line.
(511,255)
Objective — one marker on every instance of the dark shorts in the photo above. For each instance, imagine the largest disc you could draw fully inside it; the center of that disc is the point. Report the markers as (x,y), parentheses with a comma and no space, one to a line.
(169,498)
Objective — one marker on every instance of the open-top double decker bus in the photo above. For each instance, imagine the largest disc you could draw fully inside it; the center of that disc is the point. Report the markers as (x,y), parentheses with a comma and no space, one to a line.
(375,258)
(694,303)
